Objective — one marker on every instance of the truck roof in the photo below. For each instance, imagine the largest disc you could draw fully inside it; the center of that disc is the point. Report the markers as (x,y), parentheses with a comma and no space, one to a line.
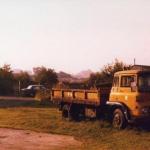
(132,72)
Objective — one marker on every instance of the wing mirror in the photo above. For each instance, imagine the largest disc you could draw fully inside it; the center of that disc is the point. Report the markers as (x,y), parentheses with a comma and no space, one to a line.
(133,86)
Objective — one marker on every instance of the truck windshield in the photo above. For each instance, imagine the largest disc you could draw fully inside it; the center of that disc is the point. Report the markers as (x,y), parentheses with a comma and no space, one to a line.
(144,83)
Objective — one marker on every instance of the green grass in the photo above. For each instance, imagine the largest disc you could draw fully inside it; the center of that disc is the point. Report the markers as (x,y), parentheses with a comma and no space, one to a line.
(95,135)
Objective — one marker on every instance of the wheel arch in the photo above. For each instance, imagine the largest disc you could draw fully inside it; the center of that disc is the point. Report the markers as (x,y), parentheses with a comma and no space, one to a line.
(118,105)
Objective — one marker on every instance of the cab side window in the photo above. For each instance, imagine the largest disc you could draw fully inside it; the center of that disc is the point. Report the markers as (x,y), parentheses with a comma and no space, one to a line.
(116,81)
(126,81)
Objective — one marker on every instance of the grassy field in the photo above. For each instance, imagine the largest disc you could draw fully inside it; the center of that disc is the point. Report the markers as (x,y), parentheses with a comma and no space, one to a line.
(95,135)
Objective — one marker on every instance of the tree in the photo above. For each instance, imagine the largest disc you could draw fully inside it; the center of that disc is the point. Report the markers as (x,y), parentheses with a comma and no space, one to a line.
(23,78)
(105,76)
(44,76)
(6,80)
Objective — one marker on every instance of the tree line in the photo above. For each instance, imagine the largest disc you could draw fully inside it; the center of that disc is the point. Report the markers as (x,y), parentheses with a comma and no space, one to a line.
(10,82)
(105,76)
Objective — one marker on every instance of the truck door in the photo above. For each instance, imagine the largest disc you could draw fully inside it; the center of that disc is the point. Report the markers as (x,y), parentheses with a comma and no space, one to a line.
(115,89)
(126,94)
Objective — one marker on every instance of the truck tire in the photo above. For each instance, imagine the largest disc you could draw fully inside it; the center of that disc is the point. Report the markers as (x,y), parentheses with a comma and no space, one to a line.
(119,120)
(65,111)
(74,113)
(70,112)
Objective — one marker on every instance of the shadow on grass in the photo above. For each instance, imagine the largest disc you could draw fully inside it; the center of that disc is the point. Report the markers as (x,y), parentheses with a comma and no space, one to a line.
(142,126)
(139,125)
(26,103)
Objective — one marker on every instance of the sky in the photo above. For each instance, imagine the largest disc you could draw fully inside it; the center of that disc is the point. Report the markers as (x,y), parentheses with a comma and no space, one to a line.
(73,35)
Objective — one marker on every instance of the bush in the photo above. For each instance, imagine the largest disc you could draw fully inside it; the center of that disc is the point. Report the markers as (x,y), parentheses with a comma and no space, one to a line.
(43,95)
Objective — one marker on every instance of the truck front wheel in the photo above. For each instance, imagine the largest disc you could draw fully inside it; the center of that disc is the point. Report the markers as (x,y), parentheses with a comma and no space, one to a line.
(118,120)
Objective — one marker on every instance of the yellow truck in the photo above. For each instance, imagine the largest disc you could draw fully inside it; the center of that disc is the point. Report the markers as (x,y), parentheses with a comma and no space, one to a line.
(128,99)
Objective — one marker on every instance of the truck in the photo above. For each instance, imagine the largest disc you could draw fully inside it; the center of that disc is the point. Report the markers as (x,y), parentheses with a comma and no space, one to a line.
(127,101)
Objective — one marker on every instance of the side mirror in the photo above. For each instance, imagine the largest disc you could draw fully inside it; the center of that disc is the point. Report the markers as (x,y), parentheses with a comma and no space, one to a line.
(133,86)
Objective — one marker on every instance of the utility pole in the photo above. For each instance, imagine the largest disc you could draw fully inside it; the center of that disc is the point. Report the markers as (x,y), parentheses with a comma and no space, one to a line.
(134,61)
(19,86)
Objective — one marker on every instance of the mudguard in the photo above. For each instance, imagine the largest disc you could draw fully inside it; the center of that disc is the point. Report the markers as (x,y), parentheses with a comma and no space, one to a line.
(114,105)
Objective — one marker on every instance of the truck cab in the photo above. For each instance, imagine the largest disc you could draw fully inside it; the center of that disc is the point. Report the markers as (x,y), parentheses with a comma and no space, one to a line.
(131,89)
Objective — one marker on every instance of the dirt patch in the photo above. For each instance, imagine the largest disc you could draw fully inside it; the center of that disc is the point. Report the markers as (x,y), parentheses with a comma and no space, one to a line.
(11,139)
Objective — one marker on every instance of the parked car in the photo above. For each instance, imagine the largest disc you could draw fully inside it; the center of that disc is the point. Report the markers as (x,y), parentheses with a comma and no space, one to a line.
(31,90)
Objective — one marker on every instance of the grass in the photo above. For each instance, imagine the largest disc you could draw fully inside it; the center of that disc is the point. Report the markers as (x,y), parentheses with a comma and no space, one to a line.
(95,135)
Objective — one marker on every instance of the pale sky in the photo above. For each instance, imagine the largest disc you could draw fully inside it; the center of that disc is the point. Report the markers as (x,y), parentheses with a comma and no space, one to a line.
(73,35)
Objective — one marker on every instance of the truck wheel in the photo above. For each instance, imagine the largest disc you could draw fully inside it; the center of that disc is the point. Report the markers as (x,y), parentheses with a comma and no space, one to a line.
(74,115)
(118,120)
(65,111)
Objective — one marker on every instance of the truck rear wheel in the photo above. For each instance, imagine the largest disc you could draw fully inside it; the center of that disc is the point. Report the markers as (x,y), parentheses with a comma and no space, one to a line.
(68,112)
(65,111)
(118,120)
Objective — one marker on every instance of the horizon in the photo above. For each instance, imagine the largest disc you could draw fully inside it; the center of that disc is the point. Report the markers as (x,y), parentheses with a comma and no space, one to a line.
(17,70)
(73,36)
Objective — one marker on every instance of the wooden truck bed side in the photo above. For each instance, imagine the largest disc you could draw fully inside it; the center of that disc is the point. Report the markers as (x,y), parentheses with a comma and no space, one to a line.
(95,97)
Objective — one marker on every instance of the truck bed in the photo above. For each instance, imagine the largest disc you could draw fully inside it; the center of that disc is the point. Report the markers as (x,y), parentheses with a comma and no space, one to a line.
(90,97)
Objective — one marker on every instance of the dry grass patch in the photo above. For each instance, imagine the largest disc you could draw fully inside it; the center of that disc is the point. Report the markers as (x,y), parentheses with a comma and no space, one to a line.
(94,134)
